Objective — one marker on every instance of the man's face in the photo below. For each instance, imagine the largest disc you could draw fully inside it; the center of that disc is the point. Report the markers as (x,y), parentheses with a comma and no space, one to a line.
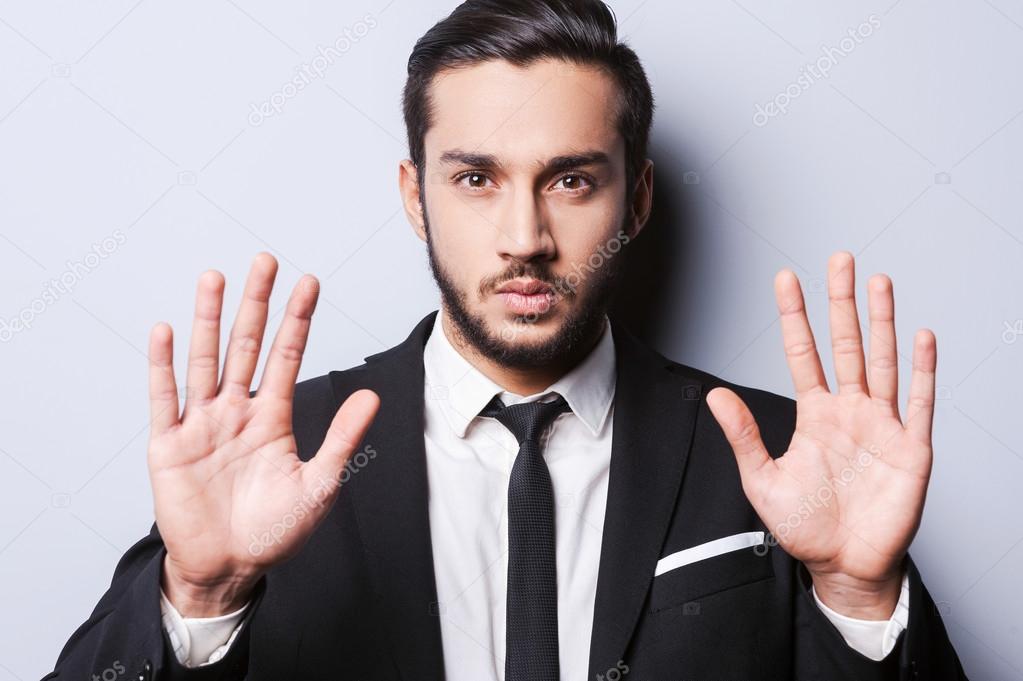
(524,205)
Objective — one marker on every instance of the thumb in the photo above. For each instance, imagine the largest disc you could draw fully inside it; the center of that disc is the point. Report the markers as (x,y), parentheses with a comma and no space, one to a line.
(742,433)
(346,431)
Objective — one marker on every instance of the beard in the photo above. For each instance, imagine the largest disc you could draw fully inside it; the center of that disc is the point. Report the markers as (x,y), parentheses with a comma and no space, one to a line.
(578,328)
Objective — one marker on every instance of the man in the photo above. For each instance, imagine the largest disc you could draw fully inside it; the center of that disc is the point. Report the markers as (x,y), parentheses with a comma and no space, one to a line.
(526,492)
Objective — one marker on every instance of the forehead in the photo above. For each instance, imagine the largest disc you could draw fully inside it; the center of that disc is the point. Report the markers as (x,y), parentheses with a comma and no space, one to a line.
(522,114)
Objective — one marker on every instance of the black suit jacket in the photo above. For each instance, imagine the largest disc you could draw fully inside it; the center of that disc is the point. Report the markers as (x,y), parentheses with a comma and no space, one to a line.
(359,601)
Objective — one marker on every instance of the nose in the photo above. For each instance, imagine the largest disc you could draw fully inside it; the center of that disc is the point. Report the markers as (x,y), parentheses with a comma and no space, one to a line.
(523,232)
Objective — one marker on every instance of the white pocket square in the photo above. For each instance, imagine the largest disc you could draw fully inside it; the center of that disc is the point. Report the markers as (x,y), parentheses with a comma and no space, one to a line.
(709,549)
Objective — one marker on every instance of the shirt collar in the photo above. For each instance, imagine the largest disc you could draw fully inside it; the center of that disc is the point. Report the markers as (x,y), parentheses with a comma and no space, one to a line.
(461,390)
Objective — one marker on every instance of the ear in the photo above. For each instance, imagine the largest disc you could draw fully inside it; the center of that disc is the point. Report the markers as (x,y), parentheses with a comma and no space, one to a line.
(408,186)
(642,199)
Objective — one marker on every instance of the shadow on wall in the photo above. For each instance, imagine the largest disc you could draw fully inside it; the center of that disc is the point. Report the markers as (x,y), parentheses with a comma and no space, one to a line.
(653,295)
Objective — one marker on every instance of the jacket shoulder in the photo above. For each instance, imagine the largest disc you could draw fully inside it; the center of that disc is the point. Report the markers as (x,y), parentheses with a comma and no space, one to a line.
(314,405)
(775,414)
(755,398)
(758,400)
(329,387)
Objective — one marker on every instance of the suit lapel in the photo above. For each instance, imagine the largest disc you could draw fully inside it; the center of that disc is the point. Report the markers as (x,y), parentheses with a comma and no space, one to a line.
(654,417)
(390,498)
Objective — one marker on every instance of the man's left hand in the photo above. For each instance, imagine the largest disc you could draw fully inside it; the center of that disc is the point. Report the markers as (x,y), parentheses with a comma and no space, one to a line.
(847,497)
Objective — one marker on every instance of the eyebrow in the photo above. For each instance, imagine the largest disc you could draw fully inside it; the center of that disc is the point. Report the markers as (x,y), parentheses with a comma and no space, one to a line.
(555,164)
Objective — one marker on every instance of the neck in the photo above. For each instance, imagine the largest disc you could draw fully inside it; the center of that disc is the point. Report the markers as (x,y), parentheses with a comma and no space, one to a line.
(518,381)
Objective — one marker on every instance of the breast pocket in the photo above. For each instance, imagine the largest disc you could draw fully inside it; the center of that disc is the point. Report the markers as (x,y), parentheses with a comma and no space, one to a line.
(706,569)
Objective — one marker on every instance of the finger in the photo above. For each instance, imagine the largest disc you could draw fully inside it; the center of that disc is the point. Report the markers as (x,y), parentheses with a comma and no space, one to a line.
(846,341)
(248,328)
(920,408)
(163,390)
(884,359)
(285,358)
(797,336)
(204,349)
(345,433)
(756,467)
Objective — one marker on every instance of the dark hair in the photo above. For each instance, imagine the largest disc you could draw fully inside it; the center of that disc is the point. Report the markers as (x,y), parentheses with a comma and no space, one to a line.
(521,32)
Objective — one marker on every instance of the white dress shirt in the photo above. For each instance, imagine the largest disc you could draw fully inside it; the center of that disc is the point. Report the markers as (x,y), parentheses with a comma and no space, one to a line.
(468,462)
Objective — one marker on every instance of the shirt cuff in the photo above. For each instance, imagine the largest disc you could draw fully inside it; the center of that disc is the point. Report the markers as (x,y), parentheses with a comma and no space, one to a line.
(872,638)
(198,641)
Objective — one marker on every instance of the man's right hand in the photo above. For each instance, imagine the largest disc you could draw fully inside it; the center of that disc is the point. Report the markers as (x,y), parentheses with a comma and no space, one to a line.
(231,496)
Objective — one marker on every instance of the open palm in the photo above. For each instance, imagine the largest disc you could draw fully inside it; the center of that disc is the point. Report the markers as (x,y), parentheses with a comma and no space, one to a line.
(231,496)
(847,496)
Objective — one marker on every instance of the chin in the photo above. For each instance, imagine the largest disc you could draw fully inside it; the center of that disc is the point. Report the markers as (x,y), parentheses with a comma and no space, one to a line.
(531,328)
(524,333)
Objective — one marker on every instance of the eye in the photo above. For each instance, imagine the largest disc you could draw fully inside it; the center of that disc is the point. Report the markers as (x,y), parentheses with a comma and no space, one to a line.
(575,183)
(476,180)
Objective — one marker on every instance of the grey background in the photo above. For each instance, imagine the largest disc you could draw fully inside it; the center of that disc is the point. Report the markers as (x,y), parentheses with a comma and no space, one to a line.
(130,122)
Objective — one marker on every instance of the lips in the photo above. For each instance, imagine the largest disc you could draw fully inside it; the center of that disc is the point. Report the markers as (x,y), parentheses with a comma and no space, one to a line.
(526,297)
(525,287)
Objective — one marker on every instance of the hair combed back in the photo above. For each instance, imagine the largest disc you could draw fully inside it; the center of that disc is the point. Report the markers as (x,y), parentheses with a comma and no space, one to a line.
(521,32)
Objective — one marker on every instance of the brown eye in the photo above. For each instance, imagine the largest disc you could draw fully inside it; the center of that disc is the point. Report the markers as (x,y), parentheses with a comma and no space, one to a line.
(472,180)
(575,183)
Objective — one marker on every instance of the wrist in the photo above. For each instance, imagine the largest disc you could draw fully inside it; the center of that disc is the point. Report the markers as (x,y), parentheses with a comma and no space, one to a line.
(858,598)
(206,597)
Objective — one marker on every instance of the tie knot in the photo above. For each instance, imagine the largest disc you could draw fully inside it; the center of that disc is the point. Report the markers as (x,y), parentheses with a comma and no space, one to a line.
(526,420)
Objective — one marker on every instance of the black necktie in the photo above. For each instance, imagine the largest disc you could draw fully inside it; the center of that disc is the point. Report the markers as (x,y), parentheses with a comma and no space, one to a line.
(532,601)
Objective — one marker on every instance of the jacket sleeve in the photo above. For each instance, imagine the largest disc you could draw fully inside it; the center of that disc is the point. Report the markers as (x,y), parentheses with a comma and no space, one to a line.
(923,650)
(125,633)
